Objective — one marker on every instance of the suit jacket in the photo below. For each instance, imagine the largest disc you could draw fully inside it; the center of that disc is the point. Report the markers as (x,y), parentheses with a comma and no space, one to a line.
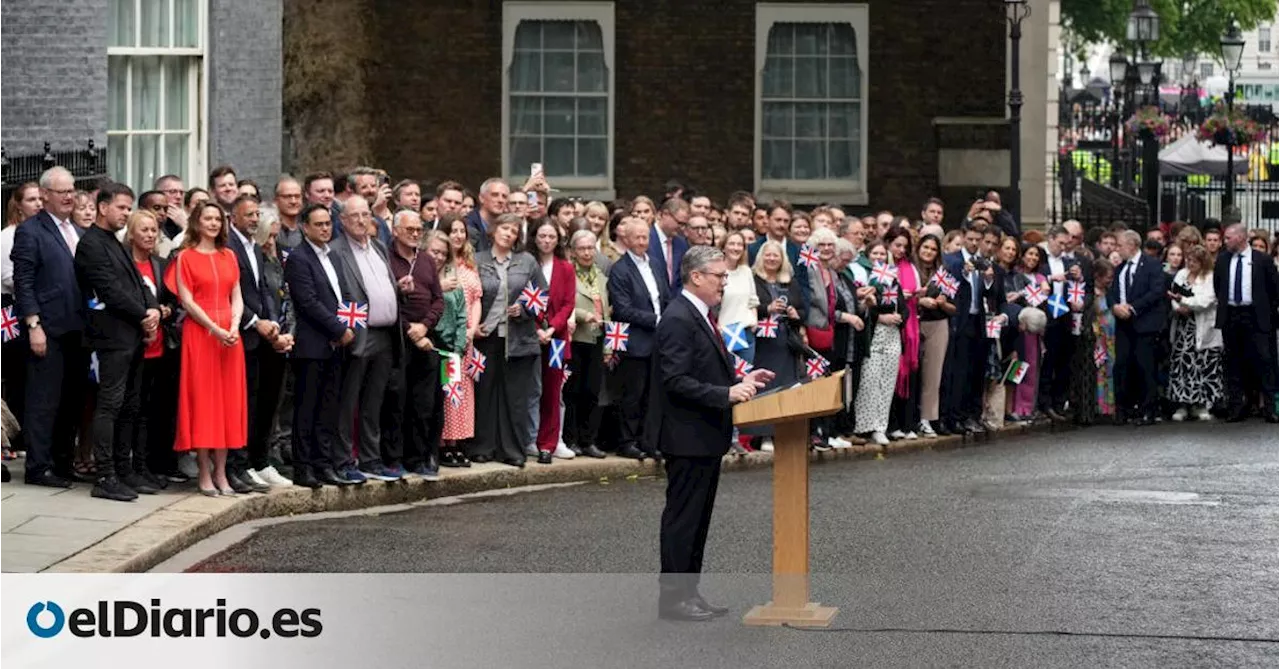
(1148,295)
(991,301)
(693,373)
(315,306)
(477,231)
(632,304)
(1264,289)
(105,270)
(353,288)
(560,305)
(258,301)
(658,258)
(44,277)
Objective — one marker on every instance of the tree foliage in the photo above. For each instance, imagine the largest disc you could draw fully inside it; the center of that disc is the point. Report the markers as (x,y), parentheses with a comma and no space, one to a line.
(1185,25)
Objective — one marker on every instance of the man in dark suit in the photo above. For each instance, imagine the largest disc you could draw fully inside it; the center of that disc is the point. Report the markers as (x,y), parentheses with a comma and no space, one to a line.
(1059,343)
(1245,282)
(259,328)
(1141,304)
(49,304)
(979,295)
(695,390)
(314,285)
(124,316)
(638,293)
(666,245)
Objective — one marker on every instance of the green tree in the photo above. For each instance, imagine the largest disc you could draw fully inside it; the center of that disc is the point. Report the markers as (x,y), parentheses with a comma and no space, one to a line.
(1185,25)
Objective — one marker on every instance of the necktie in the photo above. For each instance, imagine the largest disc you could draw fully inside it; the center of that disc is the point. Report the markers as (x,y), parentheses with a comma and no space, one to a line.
(715,328)
(69,234)
(670,257)
(1237,283)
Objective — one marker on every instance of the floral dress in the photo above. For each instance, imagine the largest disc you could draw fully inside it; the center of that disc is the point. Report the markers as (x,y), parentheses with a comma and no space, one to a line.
(1104,332)
(460,421)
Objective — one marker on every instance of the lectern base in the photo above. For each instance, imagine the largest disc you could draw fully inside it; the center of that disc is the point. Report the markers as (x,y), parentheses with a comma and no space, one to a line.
(809,615)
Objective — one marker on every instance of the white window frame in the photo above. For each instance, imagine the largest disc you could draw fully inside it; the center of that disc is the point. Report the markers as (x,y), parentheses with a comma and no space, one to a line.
(813,191)
(198,96)
(596,188)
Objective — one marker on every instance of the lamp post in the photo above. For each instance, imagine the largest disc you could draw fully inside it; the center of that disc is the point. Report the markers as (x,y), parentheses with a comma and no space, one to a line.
(1232,44)
(1015,12)
(1119,67)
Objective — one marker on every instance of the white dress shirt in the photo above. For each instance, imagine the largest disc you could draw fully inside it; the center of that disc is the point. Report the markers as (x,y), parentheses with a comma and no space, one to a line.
(329,271)
(1058,266)
(976,292)
(1241,262)
(1127,269)
(248,250)
(701,306)
(650,282)
(6,259)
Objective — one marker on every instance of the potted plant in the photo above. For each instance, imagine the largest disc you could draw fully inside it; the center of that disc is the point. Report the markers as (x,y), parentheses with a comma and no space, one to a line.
(1231,128)
(1148,119)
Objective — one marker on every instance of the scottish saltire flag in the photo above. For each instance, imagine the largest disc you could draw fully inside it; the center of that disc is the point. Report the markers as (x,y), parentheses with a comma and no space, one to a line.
(1058,306)
(354,315)
(616,336)
(534,299)
(555,353)
(735,338)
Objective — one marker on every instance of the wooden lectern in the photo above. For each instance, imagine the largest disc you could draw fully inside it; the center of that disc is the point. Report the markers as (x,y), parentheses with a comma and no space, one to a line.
(789,411)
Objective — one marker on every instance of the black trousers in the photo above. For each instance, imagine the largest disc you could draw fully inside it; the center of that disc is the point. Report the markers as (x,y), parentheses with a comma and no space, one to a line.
(54,404)
(904,412)
(315,412)
(634,374)
(686,518)
(1250,360)
(582,394)
(114,416)
(364,388)
(1055,367)
(272,368)
(503,423)
(1135,372)
(238,458)
(964,376)
(421,404)
(159,412)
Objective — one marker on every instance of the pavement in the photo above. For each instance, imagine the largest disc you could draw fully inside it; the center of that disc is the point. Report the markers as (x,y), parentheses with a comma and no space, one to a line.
(66,530)
(1102,547)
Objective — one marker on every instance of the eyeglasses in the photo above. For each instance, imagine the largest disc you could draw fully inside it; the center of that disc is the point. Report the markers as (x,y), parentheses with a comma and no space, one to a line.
(64,193)
(412,231)
(723,276)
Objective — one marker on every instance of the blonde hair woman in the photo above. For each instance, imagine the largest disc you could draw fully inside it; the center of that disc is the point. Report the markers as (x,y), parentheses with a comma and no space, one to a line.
(777,298)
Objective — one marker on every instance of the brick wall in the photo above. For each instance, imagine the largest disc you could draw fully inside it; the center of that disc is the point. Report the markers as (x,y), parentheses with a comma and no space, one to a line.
(245,81)
(685,90)
(54,57)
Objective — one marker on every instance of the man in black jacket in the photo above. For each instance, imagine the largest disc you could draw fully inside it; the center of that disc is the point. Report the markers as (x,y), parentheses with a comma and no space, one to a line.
(1245,282)
(122,317)
(1140,302)
(695,390)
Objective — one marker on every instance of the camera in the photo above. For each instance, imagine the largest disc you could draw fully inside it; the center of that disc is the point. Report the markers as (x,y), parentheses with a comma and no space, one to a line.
(1180,289)
(981,264)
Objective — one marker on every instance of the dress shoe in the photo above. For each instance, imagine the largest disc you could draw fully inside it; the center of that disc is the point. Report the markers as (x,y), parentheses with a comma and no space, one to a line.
(943,429)
(238,484)
(1237,415)
(480,459)
(139,484)
(544,457)
(47,479)
(327,476)
(631,452)
(449,459)
(1145,421)
(156,480)
(303,477)
(974,427)
(513,462)
(717,610)
(687,610)
(110,487)
(593,451)
(577,450)
(1053,414)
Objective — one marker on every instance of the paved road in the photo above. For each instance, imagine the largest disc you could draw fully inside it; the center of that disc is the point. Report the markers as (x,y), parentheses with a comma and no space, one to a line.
(1166,531)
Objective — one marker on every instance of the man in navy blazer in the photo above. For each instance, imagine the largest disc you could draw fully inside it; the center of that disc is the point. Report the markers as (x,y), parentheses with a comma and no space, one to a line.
(313,277)
(638,294)
(1140,302)
(979,295)
(49,304)
(1245,282)
(666,246)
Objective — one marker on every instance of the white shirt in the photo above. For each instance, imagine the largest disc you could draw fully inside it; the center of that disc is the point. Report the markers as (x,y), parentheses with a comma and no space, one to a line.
(739,302)
(323,253)
(1058,266)
(1244,258)
(973,283)
(1127,270)
(546,271)
(378,288)
(651,283)
(6,259)
(248,250)
(68,231)
(701,306)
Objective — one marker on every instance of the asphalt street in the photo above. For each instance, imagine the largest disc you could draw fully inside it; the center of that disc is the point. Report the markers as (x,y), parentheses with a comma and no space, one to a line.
(1156,546)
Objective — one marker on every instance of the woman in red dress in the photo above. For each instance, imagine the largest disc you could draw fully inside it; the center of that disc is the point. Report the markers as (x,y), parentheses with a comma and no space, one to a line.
(212,406)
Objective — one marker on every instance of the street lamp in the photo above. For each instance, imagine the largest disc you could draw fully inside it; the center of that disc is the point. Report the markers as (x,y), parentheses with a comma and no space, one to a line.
(1232,44)
(1119,67)
(1144,23)
(1015,12)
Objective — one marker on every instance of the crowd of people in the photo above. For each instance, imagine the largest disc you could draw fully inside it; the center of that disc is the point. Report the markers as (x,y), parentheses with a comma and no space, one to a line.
(341,328)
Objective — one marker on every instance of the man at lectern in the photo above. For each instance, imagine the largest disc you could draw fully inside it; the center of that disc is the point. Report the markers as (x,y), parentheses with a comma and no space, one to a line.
(692,413)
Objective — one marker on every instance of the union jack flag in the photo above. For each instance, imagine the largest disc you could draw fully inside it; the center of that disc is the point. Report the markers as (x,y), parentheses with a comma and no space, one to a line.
(453,391)
(354,315)
(1075,292)
(768,328)
(8,324)
(741,367)
(816,366)
(809,256)
(1100,356)
(474,365)
(1035,295)
(993,328)
(890,295)
(883,274)
(945,282)
(616,336)
(534,299)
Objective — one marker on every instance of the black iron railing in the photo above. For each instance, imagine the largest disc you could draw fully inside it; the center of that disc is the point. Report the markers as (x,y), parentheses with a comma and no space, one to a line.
(87,166)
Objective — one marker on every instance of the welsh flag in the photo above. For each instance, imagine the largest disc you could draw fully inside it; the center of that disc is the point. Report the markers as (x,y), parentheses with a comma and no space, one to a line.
(450,369)
(1017,371)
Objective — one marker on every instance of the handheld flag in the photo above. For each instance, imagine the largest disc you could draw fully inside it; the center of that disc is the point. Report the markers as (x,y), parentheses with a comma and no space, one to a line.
(1075,292)
(809,256)
(354,315)
(1100,355)
(1058,306)
(890,295)
(1077,323)
(768,328)
(816,366)
(555,354)
(450,369)
(734,335)
(475,364)
(741,367)
(8,324)
(534,299)
(1034,294)
(993,328)
(616,336)
(453,391)
(93,367)
(95,304)
(1017,371)
(945,282)
(883,274)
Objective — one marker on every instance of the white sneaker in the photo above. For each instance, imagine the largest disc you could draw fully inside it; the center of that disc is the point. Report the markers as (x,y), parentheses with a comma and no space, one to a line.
(926,429)
(272,477)
(912,435)
(562,451)
(897,434)
(187,465)
(531,450)
(837,442)
(767,445)
(879,438)
(1202,413)
(254,478)
(1180,415)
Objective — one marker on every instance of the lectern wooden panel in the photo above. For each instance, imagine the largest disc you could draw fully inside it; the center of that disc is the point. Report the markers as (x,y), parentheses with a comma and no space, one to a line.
(789,411)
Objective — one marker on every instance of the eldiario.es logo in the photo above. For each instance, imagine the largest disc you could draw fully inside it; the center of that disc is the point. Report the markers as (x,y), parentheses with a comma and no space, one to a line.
(124,618)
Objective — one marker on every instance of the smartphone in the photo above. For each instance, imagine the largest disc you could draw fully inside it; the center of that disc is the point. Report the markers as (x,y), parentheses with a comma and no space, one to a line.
(535,169)
(533,199)
(784,299)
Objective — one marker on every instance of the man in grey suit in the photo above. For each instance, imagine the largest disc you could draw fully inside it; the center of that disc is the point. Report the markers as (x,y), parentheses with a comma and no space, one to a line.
(373,356)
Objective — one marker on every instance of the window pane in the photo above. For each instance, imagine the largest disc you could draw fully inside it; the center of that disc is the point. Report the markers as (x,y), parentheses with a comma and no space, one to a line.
(175,154)
(843,158)
(146,94)
(811,120)
(117,158)
(559,157)
(558,35)
(590,37)
(558,71)
(526,72)
(146,160)
(593,157)
(845,78)
(558,116)
(807,38)
(811,160)
(591,73)
(593,119)
(117,93)
(176,94)
(811,77)
(529,35)
(843,121)
(526,116)
(777,119)
(776,156)
(782,39)
(155,23)
(843,40)
(121,23)
(779,77)
(186,24)
(523,152)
